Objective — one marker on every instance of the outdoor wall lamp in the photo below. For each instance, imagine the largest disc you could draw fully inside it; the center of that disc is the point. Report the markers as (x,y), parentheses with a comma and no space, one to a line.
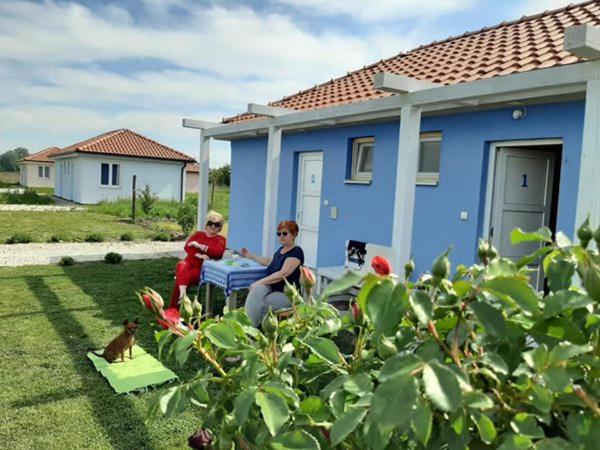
(519,112)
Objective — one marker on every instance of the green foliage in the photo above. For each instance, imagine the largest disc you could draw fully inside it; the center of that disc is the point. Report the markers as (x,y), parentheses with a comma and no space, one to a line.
(29,197)
(113,258)
(162,237)
(8,159)
(186,217)
(19,238)
(127,237)
(146,199)
(66,261)
(56,238)
(221,176)
(94,237)
(478,360)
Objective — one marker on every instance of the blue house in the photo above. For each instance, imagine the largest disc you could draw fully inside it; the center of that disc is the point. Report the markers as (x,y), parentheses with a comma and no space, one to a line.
(453,141)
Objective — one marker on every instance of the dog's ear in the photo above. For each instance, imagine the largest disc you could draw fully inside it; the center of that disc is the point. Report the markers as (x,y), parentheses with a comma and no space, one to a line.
(126,321)
(136,320)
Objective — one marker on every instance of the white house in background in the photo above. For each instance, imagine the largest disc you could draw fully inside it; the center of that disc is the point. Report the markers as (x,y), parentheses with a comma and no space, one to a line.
(192,172)
(37,170)
(103,168)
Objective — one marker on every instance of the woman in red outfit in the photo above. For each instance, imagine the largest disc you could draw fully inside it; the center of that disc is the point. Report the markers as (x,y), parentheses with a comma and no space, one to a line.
(201,245)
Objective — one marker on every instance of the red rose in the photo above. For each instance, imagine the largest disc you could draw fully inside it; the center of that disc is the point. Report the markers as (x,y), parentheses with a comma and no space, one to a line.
(355,311)
(170,318)
(381,266)
(147,301)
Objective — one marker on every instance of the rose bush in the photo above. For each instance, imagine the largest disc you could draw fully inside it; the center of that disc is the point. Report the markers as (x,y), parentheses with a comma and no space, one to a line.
(474,360)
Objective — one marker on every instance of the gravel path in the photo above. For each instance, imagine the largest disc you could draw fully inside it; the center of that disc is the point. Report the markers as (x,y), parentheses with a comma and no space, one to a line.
(26,254)
(40,208)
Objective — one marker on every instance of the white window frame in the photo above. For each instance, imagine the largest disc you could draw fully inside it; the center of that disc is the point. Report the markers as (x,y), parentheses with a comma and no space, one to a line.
(111,167)
(44,168)
(429,178)
(357,145)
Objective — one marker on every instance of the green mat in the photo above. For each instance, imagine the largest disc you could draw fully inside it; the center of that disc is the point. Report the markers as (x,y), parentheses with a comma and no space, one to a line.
(142,371)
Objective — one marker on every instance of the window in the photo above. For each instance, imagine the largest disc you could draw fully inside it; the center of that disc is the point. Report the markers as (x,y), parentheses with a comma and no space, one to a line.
(109,174)
(429,159)
(43,171)
(362,159)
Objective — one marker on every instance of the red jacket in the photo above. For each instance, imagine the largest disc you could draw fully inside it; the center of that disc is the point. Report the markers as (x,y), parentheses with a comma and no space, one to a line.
(216,247)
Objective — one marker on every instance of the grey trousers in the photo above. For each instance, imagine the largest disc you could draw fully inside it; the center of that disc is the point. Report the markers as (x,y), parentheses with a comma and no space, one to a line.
(260,299)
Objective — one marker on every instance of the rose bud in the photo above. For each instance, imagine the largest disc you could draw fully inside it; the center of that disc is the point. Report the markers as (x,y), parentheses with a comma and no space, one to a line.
(201,439)
(584,233)
(409,268)
(147,301)
(196,308)
(269,324)
(307,278)
(355,311)
(381,266)
(170,318)
(185,309)
(441,266)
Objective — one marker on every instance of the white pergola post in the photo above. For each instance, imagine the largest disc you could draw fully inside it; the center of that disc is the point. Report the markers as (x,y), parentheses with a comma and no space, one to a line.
(271,189)
(588,201)
(406,174)
(203,161)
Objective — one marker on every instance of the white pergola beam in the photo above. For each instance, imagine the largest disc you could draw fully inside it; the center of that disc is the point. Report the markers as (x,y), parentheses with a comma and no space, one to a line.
(406,174)
(583,41)
(399,84)
(203,162)
(198,124)
(271,190)
(266,110)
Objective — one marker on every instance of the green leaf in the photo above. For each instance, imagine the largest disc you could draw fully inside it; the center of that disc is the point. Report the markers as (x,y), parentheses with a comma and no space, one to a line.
(560,329)
(442,386)
(478,400)
(274,410)
(511,441)
(501,267)
(342,284)
(553,444)
(173,401)
(421,422)
(182,349)
(314,408)
(199,393)
(221,335)
(491,318)
(528,259)
(392,400)
(564,351)
(519,291)
(332,386)
(324,349)
(422,306)
(370,281)
(399,365)
(561,301)
(556,378)
(542,235)
(386,305)
(359,384)
(541,399)
(526,425)
(462,287)
(559,274)
(295,440)
(486,428)
(242,404)
(346,424)
(496,362)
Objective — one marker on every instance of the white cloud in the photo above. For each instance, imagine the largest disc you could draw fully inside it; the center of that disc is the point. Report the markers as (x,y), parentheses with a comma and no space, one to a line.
(529,7)
(378,11)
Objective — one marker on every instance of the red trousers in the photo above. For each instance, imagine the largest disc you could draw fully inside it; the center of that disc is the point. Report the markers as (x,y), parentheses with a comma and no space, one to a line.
(187,273)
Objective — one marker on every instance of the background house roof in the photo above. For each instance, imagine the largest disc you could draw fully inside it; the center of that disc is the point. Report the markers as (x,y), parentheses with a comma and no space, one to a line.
(529,43)
(125,142)
(192,168)
(42,155)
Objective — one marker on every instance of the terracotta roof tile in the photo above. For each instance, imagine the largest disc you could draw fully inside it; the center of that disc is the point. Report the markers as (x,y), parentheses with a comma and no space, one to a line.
(42,155)
(529,43)
(125,142)
(192,168)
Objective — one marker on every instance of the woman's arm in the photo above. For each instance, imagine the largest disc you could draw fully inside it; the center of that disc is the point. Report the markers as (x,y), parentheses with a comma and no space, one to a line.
(262,260)
(289,265)
(216,249)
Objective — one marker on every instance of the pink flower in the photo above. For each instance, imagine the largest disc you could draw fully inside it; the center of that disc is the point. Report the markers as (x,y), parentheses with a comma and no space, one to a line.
(307,278)
(381,266)
(169,319)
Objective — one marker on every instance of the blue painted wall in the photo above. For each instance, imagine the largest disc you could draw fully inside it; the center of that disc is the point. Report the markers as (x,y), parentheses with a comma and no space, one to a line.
(365,211)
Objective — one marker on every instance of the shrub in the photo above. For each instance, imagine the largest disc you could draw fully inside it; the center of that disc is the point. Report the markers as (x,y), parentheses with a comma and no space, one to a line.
(146,199)
(113,258)
(127,237)
(94,237)
(29,197)
(19,238)
(56,238)
(186,217)
(66,261)
(163,237)
(477,359)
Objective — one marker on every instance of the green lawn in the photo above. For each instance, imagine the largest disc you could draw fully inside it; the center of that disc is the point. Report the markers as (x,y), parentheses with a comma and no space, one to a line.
(51,396)
(75,225)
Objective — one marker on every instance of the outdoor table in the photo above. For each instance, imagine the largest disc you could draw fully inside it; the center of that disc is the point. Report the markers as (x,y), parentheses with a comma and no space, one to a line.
(231,275)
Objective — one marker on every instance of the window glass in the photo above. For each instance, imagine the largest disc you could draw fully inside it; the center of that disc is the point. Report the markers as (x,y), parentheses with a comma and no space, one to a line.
(40,172)
(429,156)
(47,172)
(104,174)
(362,159)
(365,162)
(115,175)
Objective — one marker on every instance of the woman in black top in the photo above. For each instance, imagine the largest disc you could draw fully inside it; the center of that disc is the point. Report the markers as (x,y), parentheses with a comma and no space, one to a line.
(267,293)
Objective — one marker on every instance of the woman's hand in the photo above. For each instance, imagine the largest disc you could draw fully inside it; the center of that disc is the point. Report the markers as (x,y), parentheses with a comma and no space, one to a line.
(193,244)
(244,252)
(202,256)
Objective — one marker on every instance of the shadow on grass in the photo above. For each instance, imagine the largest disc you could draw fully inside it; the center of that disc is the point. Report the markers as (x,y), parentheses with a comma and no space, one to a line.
(116,415)
(49,397)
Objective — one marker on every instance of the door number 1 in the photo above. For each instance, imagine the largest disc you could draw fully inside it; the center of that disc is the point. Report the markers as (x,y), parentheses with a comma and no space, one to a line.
(524,180)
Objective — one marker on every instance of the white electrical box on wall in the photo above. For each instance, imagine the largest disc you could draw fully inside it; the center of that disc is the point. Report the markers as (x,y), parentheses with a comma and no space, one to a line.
(334,212)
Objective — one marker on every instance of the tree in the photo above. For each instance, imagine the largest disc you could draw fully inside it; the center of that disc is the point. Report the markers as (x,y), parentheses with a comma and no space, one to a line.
(221,175)
(8,159)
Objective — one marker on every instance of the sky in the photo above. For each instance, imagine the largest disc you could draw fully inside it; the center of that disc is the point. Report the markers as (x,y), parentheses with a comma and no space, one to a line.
(70,70)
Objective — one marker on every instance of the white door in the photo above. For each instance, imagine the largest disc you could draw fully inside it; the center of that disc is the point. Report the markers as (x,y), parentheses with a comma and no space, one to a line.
(522,197)
(308,204)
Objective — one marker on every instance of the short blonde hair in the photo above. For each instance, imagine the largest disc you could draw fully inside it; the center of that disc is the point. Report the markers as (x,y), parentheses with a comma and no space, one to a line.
(215,217)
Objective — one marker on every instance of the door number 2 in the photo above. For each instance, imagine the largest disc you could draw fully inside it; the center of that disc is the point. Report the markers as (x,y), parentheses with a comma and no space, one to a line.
(524,180)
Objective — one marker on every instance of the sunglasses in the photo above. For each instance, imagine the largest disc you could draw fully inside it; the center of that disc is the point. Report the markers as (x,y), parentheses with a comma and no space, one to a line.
(281,233)
(210,223)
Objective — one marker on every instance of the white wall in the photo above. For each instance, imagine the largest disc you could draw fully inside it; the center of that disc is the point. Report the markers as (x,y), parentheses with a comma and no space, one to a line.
(29,174)
(163,177)
(191,182)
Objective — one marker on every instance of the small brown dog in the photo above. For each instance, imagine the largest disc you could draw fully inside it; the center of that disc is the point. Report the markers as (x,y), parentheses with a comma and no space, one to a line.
(121,343)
